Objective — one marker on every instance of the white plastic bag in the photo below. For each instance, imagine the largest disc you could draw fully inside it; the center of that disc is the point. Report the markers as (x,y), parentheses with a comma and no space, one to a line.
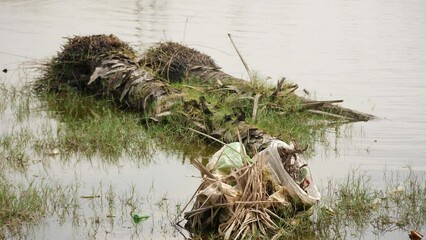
(233,155)
(308,196)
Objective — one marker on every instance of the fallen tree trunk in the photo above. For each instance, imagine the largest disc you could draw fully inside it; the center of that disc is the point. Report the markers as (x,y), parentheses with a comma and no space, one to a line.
(106,66)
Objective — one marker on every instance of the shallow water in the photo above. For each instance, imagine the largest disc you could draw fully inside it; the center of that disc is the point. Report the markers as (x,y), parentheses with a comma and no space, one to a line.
(372,54)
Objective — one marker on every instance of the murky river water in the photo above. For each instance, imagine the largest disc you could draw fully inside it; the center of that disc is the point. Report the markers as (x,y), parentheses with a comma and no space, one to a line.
(372,54)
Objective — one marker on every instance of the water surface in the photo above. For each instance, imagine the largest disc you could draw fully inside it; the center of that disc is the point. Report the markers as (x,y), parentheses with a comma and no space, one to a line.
(372,54)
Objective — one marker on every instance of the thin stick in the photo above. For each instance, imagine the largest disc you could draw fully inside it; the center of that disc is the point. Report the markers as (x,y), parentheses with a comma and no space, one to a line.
(327,114)
(187,204)
(318,104)
(242,59)
(311,102)
(206,135)
(165,36)
(256,106)
(184,30)
(203,169)
(217,140)
(278,88)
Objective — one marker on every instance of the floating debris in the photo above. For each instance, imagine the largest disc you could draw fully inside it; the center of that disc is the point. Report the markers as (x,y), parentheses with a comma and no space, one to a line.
(139,218)
(240,197)
(414,235)
(90,196)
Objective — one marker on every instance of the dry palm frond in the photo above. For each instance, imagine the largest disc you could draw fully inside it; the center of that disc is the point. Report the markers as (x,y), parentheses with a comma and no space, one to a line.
(247,213)
(172,60)
(79,58)
(81,48)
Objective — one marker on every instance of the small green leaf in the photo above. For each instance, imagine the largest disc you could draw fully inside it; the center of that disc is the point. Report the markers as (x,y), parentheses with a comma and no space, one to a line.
(139,218)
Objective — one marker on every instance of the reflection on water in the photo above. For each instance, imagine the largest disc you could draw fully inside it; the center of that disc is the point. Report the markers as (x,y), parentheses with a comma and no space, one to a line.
(369,53)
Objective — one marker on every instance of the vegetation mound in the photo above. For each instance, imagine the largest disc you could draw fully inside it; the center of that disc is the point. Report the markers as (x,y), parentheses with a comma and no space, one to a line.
(172,60)
(79,58)
(91,48)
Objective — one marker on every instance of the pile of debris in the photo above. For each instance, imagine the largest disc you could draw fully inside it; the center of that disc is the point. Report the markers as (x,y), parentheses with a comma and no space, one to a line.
(241,197)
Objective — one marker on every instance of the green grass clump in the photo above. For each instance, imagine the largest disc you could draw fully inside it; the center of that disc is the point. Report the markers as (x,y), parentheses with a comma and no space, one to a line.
(402,203)
(94,126)
(284,117)
(19,204)
(352,207)
(13,150)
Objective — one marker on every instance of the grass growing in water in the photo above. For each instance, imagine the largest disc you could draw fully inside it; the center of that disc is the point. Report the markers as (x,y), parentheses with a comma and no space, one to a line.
(92,126)
(19,204)
(353,205)
(350,208)
(24,207)
(347,209)
(13,150)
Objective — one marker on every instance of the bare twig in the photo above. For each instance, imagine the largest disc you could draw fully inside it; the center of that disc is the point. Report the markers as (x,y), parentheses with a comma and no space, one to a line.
(184,31)
(256,106)
(313,102)
(327,114)
(279,87)
(242,59)
(202,169)
(208,136)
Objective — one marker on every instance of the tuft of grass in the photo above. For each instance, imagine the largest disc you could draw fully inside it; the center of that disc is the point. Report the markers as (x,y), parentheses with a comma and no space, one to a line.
(25,205)
(402,203)
(19,204)
(352,207)
(17,99)
(92,126)
(346,205)
(13,150)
